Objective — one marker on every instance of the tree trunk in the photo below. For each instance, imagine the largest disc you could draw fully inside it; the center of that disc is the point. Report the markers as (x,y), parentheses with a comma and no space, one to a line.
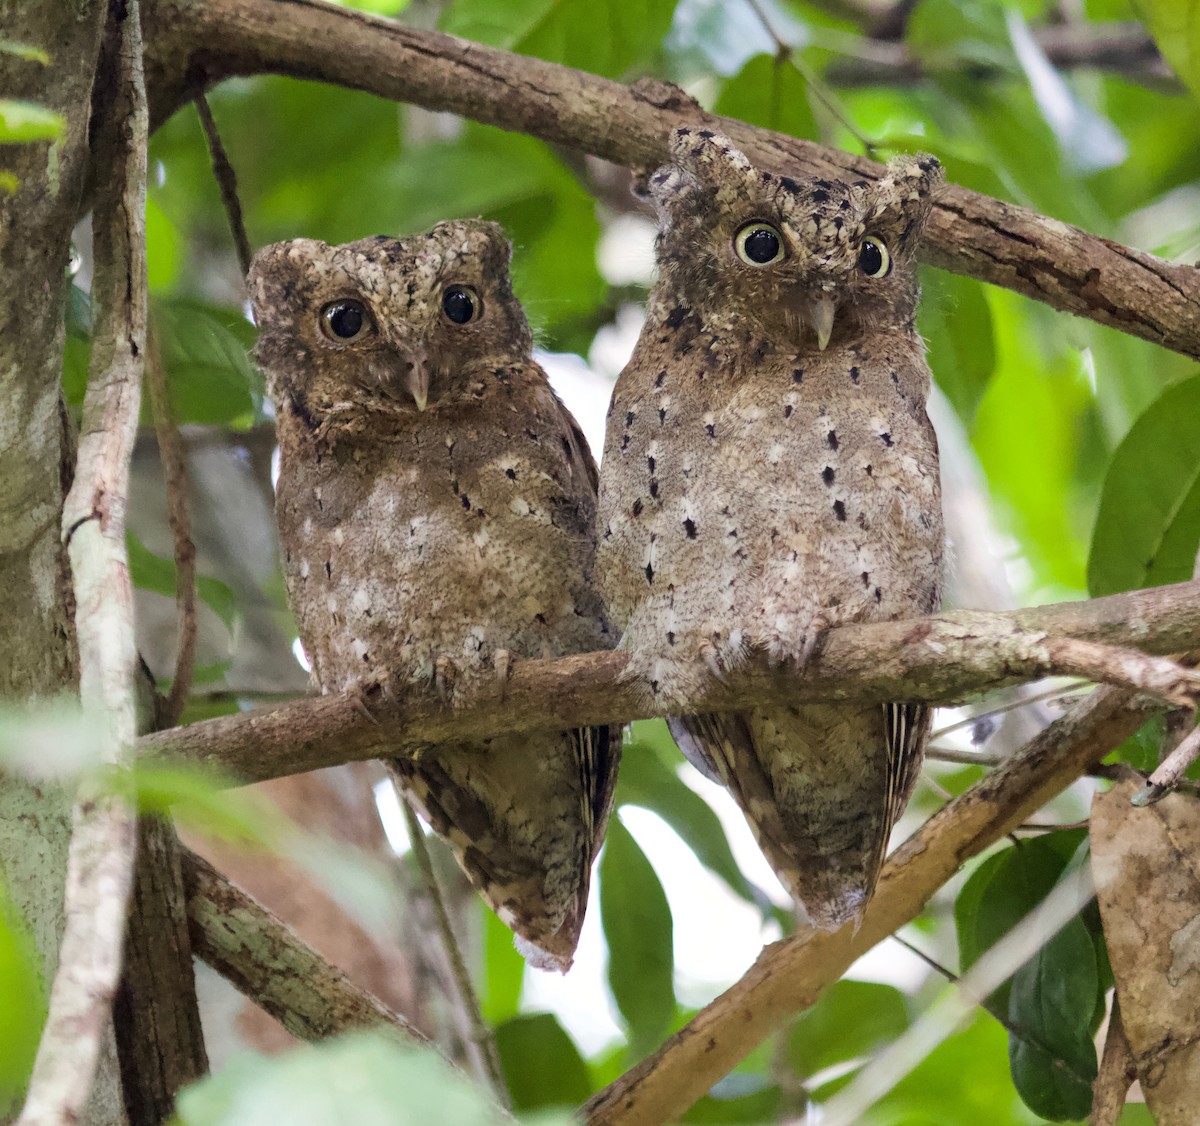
(37,657)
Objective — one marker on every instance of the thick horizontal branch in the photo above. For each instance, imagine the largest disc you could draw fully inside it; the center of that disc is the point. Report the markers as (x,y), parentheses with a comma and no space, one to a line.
(256,951)
(1120,48)
(195,45)
(790,975)
(937,659)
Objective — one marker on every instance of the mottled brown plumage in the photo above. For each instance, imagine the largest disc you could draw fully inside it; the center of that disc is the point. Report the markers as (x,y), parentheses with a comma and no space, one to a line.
(436,505)
(770,471)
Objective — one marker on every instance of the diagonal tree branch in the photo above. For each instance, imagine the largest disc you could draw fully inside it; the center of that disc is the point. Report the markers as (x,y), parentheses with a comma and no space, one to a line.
(244,942)
(195,45)
(100,863)
(790,975)
(937,659)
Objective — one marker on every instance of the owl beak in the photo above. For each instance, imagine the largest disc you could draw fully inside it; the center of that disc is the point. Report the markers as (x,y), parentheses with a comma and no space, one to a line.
(820,313)
(416,379)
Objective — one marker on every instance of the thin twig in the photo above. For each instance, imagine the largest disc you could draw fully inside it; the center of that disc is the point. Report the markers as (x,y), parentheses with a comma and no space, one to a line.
(1040,827)
(1011,706)
(227,182)
(1169,772)
(1116,1075)
(101,856)
(785,53)
(175,474)
(481,1042)
(964,758)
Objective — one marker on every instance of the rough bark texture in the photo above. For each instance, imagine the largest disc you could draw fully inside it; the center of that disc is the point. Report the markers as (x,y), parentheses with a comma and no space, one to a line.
(36,653)
(259,954)
(936,659)
(103,838)
(155,1014)
(36,647)
(1148,888)
(195,45)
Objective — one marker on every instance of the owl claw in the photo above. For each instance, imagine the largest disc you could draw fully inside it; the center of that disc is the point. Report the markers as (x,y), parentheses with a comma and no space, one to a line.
(715,662)
(808,643)
(359,692)
(502,664)
(444,675)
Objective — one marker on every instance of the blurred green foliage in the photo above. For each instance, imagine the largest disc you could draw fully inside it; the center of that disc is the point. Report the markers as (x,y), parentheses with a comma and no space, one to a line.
(1085,438)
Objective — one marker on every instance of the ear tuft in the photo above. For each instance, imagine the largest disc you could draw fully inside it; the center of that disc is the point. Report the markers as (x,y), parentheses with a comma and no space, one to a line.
(900,201)
(699,149)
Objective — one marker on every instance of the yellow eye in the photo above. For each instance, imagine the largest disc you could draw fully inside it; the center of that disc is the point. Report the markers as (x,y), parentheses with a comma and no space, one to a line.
(873,257)
(345,321)
(758,244)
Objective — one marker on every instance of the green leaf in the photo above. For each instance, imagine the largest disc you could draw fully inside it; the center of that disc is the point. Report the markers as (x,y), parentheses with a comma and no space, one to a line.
(369,1079)
(965,1081)
(1003,890)
(390,8)
(202,800)
(851,1019)
(769,92)
(25,51)
(956,321)
(738,1099)
(1143,748)
(22,1002)
(503,970)
(542,1066)
(164,251)
(638,929)
(607,37)
(1175,25)
(1026,435)
(205,353)
(153,572)
(22,122)
(1148,527)
(1051,1052)
(647,781)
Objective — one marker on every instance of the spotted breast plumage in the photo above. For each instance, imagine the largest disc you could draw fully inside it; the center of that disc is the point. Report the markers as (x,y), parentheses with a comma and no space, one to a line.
(436,505)
(769,472)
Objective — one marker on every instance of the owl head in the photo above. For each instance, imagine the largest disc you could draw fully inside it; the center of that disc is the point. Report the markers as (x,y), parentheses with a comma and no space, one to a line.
(385,325)
(794,261)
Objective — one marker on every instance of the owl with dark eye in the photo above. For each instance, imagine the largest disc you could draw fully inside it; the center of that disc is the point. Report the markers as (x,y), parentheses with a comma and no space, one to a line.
(436,505)
(770,471)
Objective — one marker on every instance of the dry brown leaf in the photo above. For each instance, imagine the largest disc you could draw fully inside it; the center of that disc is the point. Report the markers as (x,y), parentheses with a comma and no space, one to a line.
(1146,865)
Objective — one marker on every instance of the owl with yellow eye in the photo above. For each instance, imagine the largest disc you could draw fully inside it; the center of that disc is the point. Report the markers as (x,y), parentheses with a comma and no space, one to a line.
(770,471)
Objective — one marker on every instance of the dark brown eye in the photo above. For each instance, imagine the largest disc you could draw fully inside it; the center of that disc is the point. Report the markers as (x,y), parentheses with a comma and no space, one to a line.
(461,304)
(345,320)
(873,257)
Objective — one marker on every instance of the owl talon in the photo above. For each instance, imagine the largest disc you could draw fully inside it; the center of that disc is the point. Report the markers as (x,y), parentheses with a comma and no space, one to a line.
(445,673)
(715,662)
(361,692)
(502,664)
(808,644)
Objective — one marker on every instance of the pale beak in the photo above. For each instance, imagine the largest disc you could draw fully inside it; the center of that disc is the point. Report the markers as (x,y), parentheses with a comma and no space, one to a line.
(416,379)
(820,313)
